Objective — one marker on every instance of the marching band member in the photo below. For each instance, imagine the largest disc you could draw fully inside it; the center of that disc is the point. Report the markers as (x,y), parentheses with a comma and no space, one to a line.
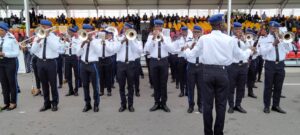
(105,63)
(47,52)
(237,72)
(89,51)
(34,65)
(274,52)
(252,70)
(72,61)
(217,51)
(9,51)
(194,72)
(158,47)
(182,63)
(126,67)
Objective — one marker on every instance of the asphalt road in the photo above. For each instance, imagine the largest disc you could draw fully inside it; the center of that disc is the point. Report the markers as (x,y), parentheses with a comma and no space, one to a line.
(70,120)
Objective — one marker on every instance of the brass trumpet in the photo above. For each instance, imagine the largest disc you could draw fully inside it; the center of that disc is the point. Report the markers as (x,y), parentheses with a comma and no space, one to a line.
(131,34)
(83,34)
(249,37)
(158,38)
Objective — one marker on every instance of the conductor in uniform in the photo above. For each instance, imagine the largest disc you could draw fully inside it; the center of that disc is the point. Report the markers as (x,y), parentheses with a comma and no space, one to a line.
(9,51)
(217,51)
(89,51)
(46,50)
(158,47)
(274,53)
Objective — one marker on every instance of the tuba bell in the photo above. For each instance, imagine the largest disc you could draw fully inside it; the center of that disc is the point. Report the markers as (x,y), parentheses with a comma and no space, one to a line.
(131,34)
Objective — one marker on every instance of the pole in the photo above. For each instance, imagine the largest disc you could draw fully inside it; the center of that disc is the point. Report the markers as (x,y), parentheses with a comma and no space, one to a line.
(229,17)
(27,17)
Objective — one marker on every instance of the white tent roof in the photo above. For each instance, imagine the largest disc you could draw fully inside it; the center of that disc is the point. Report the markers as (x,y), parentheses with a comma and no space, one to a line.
(150,4)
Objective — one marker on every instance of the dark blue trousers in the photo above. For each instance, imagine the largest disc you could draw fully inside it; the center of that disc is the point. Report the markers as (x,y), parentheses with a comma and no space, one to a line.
(215,89)
(194,78)
(8,79)
(89,73)
(237,80)
(274,78)
(252,75)
(47,70)
(72,65)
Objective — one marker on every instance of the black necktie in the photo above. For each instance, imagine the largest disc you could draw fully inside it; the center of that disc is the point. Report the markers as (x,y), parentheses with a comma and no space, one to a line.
(239,44)
(70,48)
(44,48)
(87,52)
(1,47)
(197,60)
(277,53)
(159,50)
(103,50)
(126,54)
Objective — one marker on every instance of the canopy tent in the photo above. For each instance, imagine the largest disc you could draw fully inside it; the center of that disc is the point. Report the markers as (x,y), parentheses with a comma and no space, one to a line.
(150,4)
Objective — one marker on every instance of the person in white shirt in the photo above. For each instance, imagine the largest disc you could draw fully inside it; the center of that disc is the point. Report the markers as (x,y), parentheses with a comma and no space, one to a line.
(182,63)
(88,52)
(217,51)
(46,50)
(126,66)
(9,51)
(105,63)
(252,70)
(194,72)
(274,52)
(159,65)
(237,72)
(72,61)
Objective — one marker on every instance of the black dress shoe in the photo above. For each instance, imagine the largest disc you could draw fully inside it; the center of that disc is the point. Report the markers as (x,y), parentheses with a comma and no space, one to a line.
(137,94)
(96,109)
(181,95)
(190,110)
(240,109)
(101,94)
(252,95)
(12,108)
(254,86)
(266,110)
(154,108)
(122,108)
(4,107)
(54,108)
(278,109)
(230,110)
(45,108)
(109,94)
(165,108)
(131,109)
(76,94)
(69,94)
(87,108)
(282,96)
(200,110)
